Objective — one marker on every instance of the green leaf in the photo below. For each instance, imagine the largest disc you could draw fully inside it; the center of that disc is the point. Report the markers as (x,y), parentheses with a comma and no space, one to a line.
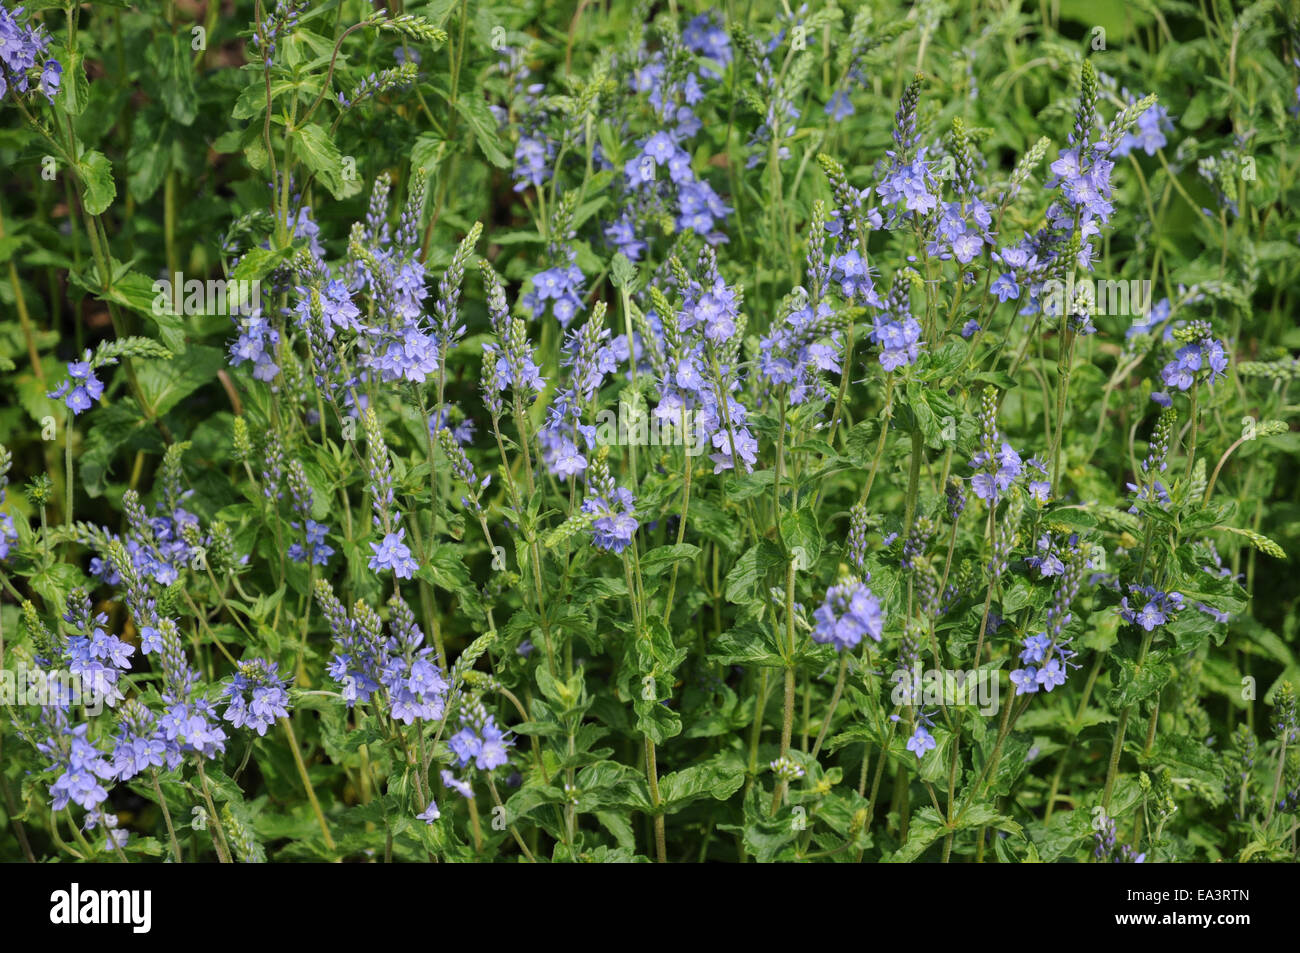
(718,778)
(926,828)
(746,644)
(802,537)
(1134,684)
(164,384)
(474,110)
(74,89)
(1189,760)
(312,144)
(749,485)
(427,153)
(96,172)
(662,558)
(745,580)
(257,263)
(149,157)
(55,583)
(116,427)
(170,58)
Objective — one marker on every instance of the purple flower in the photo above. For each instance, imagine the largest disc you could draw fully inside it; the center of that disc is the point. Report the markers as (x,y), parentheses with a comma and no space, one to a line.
(921,742)
(900,342)
(256,696)
(840,107)
(1052,674)
(1005,287)
(1036,647)
(614,524)
(463,788)
(50,76)
(314,545)
(1025,680)
(849,611)
(1158,608)
(1148,134)
(1205,353)
(480,740)
(393,554)
(998,471)
(82,388)
(567,461)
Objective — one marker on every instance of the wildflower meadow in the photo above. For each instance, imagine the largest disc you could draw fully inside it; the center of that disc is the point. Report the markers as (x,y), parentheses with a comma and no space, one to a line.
(534,432)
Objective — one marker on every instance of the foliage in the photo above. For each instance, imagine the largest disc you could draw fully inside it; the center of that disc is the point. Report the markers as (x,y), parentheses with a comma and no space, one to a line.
(552,432)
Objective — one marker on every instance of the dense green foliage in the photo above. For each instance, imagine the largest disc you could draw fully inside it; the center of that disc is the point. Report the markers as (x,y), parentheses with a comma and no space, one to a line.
(402,443)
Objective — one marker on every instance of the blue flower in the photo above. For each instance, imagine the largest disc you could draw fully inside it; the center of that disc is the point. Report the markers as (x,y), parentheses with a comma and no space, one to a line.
(1036,647)
(1005,287)
(1052,674)
(50,76)
(20,48)
(480,740)
(921,742)
(1158,607)
(900,342)
(8,535)
(1148,134)
(910,184)
(314,544)
(840,106)
(82,388)
(256,696)
(463,788)
(567,461)
(854,277)
(532,157)
(998,471)
(1025,680)
(393,554)
(614,524)
(849,611)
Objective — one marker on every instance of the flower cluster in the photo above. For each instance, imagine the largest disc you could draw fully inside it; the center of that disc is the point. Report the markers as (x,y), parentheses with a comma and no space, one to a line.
(786,769)
(674,82)
(256,696)
(897,333)
(1151,607)
(1156,461)
(480,742)
(1047,657)
(849,612)
(1106,851)
(95,657)
(1040,671)
(396,669)
(23,57)
(590,356)
(1149,134)
(611,510)
(998,464)
(277,23)
(82,388)
(907,178)
(140,745)
(1202,358)
(697,376)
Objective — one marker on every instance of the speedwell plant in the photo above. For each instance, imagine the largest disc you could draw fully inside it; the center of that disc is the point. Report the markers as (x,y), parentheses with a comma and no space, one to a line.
(528,432)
